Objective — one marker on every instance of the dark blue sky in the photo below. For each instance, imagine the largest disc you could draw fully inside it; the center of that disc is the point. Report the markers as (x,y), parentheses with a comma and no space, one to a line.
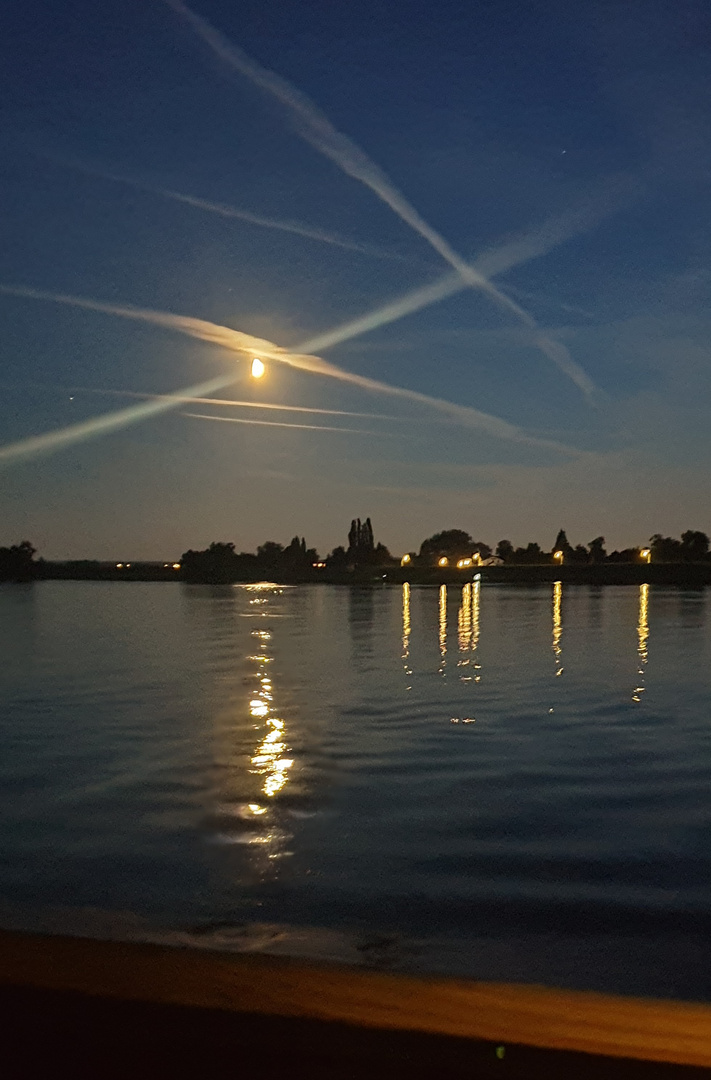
(491,118)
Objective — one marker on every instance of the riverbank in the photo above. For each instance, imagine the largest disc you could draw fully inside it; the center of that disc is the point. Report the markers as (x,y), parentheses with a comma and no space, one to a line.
(683,575)
(116,1009)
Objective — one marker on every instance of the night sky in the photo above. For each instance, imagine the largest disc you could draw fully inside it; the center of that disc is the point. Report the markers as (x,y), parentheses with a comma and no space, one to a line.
(564,149)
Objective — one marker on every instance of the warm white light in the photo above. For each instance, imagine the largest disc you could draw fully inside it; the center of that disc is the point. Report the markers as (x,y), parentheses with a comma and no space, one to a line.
(258,368)
(558,555)
(404,560)
(444,561)
(176,566)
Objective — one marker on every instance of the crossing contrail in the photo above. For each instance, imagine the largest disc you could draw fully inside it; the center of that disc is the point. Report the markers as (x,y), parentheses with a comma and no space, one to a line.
(532,244)
(234,404)
(102,425)
(282,424)
(236,213)
(246,344)
(314,126)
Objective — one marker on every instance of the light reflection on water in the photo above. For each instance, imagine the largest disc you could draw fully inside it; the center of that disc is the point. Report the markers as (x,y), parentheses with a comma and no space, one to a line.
(642,640)
(194,757)
(558,626)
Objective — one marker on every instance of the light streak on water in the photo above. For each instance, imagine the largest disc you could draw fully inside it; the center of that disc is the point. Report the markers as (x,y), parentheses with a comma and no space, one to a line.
(406,629)
(442,628)
(642,640)
(315,128)
(558,626)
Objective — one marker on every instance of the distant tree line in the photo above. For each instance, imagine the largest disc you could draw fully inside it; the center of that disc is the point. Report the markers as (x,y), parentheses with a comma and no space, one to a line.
(220,562)
(17,563)
(455,544)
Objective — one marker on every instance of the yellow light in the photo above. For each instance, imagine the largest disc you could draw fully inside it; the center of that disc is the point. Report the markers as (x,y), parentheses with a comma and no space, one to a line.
(476,557)
(444,561)
(258,368)
(404,560)
(463,563)
(119,566)
(558,556)
(176,566)
(646,554)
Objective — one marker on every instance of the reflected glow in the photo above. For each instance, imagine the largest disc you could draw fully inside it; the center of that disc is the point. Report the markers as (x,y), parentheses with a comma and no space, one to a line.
(269,759)
(558,625)
(642,639)
(442,626)
(476,597)
(464,622)
(406,629)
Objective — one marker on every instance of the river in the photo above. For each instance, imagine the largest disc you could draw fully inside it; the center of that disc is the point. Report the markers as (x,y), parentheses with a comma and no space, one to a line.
(494,781)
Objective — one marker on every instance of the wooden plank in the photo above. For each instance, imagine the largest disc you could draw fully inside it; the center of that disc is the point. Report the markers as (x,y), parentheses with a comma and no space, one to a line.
(665,1031)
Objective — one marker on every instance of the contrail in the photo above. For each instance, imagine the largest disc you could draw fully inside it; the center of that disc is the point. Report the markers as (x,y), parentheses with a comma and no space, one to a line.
(227,211)
(102,425)
(302,427)
(242,343)
(235,404)
(315,127)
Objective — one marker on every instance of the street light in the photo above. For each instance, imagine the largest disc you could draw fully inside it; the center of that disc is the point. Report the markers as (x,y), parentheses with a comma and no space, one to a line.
(258,368)
(646,554)
(558,556)
(405,560)
(463,563)
(444,561)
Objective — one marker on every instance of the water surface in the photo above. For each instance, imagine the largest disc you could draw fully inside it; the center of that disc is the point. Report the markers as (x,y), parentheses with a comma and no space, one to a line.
(498,781)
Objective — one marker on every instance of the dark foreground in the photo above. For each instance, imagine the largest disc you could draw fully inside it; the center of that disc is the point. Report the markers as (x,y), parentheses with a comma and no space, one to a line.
(99,1009)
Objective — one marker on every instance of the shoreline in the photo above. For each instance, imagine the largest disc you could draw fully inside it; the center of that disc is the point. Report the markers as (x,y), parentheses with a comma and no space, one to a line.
(683,575)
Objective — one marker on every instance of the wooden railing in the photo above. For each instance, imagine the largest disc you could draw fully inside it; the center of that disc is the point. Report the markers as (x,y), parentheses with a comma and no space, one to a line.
(661,1031)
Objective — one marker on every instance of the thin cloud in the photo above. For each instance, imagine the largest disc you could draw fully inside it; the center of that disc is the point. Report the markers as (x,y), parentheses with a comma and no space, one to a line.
(236,404)
(316,129)
(301,427)
(246,345)
(225,210)
(102,425)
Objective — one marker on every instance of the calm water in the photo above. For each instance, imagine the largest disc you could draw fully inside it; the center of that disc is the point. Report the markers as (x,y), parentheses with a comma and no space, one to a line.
(502,782)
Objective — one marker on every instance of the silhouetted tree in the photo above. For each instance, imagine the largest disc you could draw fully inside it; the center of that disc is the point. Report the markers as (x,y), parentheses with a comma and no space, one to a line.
(483,549)
(17,562)
(665,548)
(596,549)
(454,543)
(562,544)
(361,546)
(532,553)
(505,550)
(578,554)
(694,546)
(338,559)
(218,563)
(627,555)
(382,557)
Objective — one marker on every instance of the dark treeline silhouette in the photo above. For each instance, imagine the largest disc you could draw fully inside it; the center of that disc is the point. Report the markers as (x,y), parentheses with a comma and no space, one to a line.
(17,562)
(363,557)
